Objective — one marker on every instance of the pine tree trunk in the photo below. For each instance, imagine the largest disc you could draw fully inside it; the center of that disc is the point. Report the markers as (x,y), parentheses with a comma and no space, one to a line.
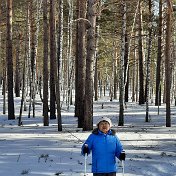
(17,71)
(60,41)
(141,74)
(52,66)
(23,98)
(4,86)
(59,63)
(9,58)
(4,76)
(80,63)
(115,74)
(121,74)
(167,64)
(69,53)
(45,64)
(88,108)
(97,35)
(54,63)
(96,65)
(159,56)
(148,61)
(34,31)
(126,71)
(33,62)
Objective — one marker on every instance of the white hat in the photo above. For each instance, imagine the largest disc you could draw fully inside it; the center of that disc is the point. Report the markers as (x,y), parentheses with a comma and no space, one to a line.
(104,119)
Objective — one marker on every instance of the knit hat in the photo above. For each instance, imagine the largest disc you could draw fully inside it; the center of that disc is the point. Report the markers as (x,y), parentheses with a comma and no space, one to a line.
(104,119)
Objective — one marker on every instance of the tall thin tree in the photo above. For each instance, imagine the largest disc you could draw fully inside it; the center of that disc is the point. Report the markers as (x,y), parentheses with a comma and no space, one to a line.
(149,60)
(69,52)
(121,77)
(167,62)
(17,68)
(88,106)
(23,98)
(126,69)
(159,56)
(80,62)
(9,58)
(45,64)
(140,52)
(59,62)
(52,66)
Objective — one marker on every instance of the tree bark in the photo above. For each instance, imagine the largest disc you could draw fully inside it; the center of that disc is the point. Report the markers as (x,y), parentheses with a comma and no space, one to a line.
(9,58)
(141,74)
(122,61)
(52,66)
(23,98)
(167,63)
(148,61)
(80,63)
(159,57)
(45,64)
(17,71)
(57,73)
(126,70)
(59,63)
(69,53)
(88,108)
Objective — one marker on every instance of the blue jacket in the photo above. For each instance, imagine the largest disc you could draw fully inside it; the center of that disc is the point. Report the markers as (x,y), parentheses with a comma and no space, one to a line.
(105,148)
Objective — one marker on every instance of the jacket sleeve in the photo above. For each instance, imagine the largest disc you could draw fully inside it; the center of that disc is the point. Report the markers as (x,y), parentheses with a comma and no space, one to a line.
(119,147)
(89,143)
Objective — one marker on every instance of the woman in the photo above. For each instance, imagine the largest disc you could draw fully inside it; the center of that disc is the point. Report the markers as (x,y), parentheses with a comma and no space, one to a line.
(105,147)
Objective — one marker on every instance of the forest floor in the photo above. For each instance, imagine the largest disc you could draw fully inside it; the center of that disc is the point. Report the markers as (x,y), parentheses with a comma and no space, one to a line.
(35,150)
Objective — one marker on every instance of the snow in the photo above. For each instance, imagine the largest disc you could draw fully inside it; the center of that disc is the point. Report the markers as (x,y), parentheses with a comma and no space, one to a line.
(35,150)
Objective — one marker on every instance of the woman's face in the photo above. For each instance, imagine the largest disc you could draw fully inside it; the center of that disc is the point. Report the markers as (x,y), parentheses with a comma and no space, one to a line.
(104,126)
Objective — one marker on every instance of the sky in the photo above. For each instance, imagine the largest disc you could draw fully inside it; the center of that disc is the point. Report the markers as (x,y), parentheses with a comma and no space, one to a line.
(35,150)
